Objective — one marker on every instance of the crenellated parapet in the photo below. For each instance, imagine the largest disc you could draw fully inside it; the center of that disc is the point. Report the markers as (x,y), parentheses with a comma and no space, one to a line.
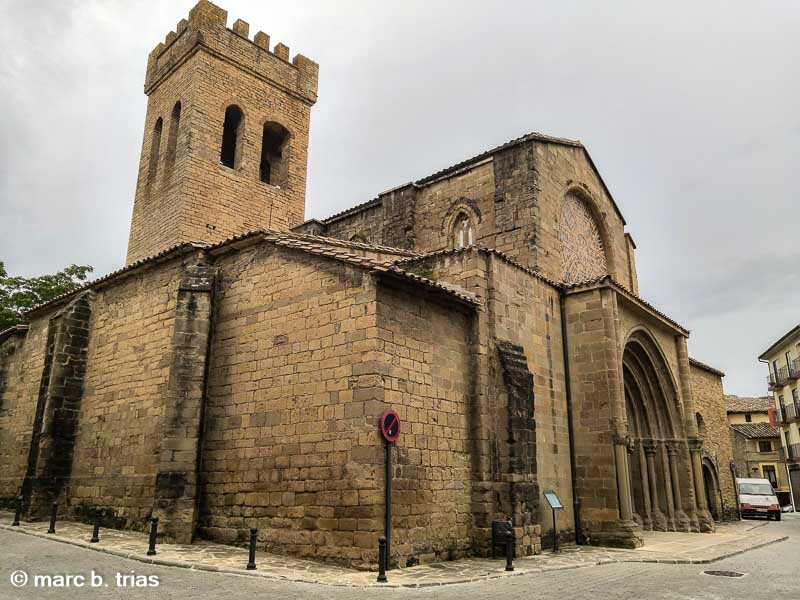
(207,29)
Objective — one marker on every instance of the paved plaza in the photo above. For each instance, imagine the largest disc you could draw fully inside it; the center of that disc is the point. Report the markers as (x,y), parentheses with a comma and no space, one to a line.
(660,547)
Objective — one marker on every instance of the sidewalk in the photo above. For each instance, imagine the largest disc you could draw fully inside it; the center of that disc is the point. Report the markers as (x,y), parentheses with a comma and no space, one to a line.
(730,539)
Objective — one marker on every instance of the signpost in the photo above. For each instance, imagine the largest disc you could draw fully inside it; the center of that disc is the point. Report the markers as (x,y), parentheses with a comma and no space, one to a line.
(390,430)
(555,504)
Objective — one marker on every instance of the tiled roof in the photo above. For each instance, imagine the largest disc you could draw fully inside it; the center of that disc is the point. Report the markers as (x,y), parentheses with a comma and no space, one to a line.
(696,363)
(625,292)
(739,404)
(533,136)
(757,430)
(312,244)
(502,255)
(13,330)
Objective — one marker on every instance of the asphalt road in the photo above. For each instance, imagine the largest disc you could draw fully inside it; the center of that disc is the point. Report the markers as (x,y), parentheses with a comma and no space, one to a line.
(770,573)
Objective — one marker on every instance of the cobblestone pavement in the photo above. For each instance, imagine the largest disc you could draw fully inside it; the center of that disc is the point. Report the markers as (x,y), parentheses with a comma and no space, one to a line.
(730,539)
(770,572)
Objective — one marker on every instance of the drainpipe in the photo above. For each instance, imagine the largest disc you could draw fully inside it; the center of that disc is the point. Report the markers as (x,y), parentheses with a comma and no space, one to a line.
(576,503)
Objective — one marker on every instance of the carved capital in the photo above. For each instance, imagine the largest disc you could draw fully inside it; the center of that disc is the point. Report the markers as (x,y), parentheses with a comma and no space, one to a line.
(695,444)
(649,447)
(672,447)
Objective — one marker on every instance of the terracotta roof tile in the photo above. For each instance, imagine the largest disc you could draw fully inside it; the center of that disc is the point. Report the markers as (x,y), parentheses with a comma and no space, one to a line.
(739,404)
(757,430)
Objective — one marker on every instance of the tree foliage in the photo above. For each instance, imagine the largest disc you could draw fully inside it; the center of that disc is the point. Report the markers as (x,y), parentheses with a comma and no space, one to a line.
(19,294)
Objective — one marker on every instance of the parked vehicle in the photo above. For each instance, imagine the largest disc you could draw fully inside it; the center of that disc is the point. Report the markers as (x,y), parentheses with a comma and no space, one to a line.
(757,498)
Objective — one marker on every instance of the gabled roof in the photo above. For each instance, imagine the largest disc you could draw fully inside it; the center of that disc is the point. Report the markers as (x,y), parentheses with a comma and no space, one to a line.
(608,280)
(739,404)
(757,430)
(312,244)
(701,365)
(533,136)
(784,338)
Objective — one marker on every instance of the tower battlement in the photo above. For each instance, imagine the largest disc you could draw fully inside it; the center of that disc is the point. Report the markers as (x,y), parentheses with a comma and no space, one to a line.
(207,28)
(225,144)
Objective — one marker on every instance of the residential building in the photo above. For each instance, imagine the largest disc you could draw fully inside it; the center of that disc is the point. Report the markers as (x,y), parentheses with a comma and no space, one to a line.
(783,362)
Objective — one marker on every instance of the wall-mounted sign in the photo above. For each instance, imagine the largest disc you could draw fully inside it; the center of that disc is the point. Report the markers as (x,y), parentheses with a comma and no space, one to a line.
(552,500)
(390,425)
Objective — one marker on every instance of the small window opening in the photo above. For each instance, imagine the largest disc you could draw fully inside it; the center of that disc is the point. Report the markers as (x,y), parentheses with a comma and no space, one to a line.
(172,141)
(462,232)
(154,146)
(274,154)
(230,136)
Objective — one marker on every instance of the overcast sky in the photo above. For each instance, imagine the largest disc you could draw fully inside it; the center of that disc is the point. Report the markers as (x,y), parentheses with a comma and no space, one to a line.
(690,111)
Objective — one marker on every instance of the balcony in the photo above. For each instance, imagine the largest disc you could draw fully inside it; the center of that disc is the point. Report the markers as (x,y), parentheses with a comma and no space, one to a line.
(789,413)
(779,379)
(790,453)
(794,369)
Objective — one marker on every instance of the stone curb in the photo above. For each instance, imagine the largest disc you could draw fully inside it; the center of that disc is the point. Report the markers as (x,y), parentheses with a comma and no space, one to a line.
(424,584)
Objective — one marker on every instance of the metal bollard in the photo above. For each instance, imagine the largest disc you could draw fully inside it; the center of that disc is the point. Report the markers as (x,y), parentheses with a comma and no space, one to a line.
(96,530)
(251,564)
(151,551)
(382,559)
(509,551)
(17,512)
(53,514)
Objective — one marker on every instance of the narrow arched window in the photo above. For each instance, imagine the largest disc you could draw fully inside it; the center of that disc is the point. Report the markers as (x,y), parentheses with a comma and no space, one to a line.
(172,140)
(155,142)
(463,235)
(231,134)
(274,154)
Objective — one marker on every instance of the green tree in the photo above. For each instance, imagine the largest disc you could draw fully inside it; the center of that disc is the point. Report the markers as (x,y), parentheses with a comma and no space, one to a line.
(18,294)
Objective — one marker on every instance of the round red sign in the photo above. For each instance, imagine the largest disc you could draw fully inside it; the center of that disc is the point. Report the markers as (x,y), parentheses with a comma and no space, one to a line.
(390,425)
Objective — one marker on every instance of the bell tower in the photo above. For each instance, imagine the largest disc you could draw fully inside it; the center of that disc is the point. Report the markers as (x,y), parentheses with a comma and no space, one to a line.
(226,135)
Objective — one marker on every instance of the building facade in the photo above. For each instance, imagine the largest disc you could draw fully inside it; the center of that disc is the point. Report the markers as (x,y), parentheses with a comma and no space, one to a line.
(233,373)
(756,443)
(783,362)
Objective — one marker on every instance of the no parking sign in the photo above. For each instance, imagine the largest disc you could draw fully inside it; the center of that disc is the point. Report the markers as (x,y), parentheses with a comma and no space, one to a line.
(390,425)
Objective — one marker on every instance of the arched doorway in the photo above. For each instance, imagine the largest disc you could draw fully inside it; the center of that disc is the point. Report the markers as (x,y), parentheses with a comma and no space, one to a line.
(658,455)
(711,484)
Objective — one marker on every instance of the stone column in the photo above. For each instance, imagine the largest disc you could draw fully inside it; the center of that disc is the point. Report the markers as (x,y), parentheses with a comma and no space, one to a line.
(668,485)
(703,516)
(176,483)
(659,520)
(623,478)
(681,519)
(697,511)
(648,506)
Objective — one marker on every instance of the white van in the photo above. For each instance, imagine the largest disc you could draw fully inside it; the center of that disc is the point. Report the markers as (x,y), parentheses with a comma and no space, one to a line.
(756,497)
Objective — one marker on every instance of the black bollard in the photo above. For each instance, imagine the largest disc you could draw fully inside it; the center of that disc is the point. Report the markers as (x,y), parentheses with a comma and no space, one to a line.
(382,559)
(17,512)
(251,564)
(96,530)
(53,514)
(151,551)
(509,551)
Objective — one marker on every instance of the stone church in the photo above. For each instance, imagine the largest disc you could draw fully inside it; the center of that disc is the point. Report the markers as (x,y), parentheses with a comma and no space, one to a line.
(232,374)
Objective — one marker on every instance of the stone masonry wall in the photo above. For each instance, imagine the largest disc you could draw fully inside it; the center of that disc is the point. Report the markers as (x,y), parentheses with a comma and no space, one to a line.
(191,196)
(293,393)
(122,411)
(709,401)
(21,360)
(425,346)
(514,199)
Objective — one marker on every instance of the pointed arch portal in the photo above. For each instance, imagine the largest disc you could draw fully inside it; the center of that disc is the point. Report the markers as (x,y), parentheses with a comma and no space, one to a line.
(658,455)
